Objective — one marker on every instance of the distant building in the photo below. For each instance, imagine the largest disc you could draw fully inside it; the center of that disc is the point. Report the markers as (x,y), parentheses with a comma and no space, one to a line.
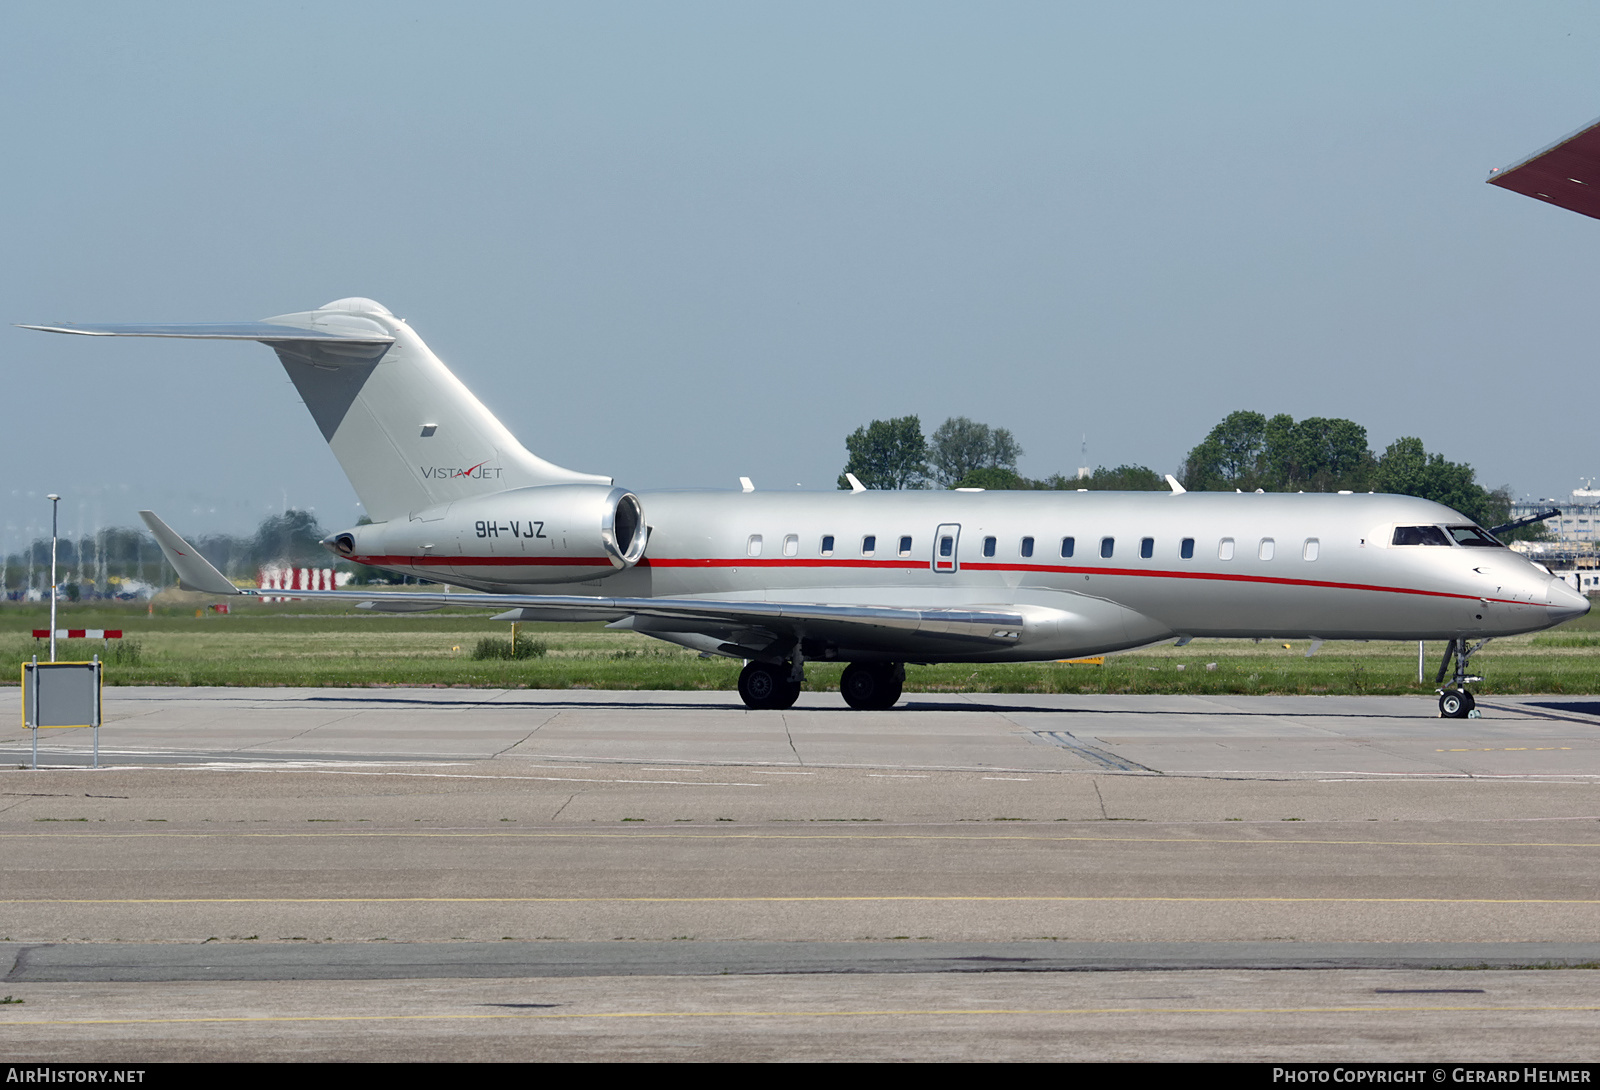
(1577,536)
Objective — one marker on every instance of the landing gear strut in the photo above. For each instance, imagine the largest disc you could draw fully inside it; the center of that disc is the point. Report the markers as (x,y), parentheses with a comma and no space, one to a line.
(1456,702)
(872,686)
(765,686)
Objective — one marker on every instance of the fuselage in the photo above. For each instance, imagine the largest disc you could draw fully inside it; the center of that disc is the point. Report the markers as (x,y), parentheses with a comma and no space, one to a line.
(1092,571)
(886,577)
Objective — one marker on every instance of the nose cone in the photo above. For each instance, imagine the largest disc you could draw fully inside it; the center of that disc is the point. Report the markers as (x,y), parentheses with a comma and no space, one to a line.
(1565,603)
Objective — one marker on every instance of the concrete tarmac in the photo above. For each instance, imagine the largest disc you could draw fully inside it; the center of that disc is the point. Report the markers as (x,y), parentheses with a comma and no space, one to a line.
(307,865)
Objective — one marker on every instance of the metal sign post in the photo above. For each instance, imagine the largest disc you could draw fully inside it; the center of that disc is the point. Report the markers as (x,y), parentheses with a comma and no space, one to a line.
(25,720)
(61,694)
(55,502)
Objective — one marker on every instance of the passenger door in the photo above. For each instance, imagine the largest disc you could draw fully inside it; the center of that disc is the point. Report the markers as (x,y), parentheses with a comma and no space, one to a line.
(946,549)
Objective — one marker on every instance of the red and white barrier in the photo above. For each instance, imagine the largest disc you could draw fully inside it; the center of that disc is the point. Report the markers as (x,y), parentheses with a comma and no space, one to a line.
(274,578)
(79,633)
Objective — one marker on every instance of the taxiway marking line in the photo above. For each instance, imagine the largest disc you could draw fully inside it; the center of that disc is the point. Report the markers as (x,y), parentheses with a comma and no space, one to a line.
(686,835)
(868,899)
(904,1012)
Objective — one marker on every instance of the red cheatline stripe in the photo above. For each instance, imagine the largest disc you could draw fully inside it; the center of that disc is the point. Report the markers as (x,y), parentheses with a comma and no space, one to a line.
(483,561)
(905,562)
(908,562)
(1234,578)
(781,562)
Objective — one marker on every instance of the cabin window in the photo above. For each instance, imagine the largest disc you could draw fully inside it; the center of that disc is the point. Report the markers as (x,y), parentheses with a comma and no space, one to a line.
(791,544)
(1067,545)
(947,545)
(1264,550)
(827,544)
(753,546)
(1027,546)
(1225,549)
(869,544)
(905,546)
(1418,535)
(1108,545)
(1313,547)
(988,546)
(1147,547)
(1186,550)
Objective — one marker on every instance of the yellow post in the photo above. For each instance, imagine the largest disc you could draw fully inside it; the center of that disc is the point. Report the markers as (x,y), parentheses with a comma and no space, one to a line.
(514,626)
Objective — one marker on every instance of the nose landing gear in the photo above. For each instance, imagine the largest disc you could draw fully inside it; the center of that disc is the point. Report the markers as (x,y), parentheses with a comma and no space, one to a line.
(1456,702)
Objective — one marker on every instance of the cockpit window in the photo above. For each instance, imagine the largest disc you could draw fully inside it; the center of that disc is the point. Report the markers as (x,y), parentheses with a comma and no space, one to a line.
(1419,535)
(1472,535)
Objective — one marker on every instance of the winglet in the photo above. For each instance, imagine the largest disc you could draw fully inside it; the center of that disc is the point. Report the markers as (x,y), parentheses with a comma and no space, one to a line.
(194,571)
(855,485)
(1177,489)
(746,484)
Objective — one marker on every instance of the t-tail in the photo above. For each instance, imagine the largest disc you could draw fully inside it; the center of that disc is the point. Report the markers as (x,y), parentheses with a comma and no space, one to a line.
(406,431)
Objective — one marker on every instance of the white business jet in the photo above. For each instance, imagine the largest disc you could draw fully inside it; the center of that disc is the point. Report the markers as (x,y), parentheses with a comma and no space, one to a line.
(871,578)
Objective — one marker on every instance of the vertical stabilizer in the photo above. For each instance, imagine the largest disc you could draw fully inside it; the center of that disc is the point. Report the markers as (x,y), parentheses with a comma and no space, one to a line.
(409,435)
(407,432)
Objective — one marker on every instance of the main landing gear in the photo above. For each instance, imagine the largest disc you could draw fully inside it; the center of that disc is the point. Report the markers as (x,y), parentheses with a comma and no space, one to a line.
(866,686)
(872,686)
(1456,702)
(765,686)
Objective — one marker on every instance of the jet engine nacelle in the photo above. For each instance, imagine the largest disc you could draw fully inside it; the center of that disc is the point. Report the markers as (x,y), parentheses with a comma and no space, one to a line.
(542,534)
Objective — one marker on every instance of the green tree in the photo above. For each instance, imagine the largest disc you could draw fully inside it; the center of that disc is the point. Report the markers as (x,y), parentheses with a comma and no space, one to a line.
(1123,478)
(1317,454)
(1407,469)
(995,478)
(1248,451)
(887,454)
(293,536)
(1231,456)
(961,446)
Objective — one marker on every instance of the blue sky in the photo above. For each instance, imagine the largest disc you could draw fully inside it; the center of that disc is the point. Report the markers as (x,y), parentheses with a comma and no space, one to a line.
(682,243)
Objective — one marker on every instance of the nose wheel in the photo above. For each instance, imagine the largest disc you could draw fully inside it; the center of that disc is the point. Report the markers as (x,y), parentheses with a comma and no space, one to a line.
(1457,702)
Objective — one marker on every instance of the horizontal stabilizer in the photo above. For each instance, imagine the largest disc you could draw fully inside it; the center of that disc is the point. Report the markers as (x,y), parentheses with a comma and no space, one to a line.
(194,571)
(1565,174)
(267,332)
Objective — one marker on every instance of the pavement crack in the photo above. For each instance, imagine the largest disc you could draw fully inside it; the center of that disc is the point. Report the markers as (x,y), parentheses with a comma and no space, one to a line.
(1096,755)
(297,734)
(1100,799)
(564,805)
(790,737)
(537,727)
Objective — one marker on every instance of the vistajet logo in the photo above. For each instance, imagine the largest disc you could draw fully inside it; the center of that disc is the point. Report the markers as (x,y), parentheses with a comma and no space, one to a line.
(483,471)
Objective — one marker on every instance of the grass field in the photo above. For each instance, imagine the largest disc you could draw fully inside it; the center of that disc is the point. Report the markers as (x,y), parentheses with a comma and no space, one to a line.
(301,644)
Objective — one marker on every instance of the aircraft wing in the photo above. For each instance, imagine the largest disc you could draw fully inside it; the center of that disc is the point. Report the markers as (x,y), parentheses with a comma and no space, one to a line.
(752,625)
(1565,174)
